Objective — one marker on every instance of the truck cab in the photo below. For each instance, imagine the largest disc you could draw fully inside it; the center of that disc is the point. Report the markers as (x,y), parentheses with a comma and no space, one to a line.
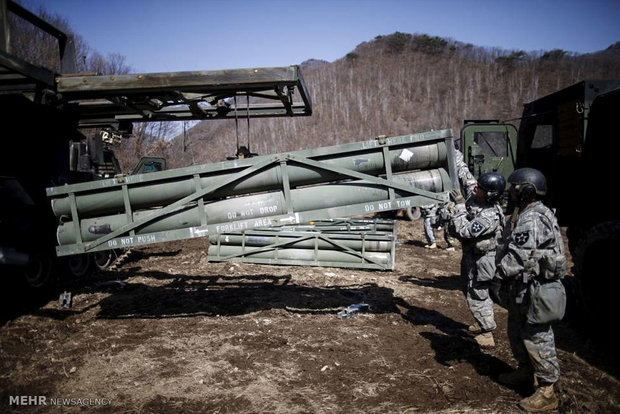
(571,136)
(489,145)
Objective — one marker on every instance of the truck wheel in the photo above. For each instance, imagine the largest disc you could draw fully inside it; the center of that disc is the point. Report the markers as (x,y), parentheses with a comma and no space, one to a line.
(105,258)
(38,272)
(595,263)
(413,213)
(80,266)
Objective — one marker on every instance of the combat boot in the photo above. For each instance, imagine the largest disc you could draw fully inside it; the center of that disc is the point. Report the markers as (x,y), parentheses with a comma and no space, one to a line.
(485,340)
(544,399)
(521,376)
(474,328)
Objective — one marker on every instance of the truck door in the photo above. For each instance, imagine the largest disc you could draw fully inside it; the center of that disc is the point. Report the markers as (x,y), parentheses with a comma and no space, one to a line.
(489,146)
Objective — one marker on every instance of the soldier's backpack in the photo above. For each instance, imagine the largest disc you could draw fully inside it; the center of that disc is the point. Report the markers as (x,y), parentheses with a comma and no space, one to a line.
(546,292)
(547,301)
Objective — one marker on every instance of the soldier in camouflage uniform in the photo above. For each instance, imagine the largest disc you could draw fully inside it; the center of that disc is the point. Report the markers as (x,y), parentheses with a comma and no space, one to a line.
(429,214)
(445,211)
(479,225)
(468,181)
(532,255)
(441,215)
(436,217)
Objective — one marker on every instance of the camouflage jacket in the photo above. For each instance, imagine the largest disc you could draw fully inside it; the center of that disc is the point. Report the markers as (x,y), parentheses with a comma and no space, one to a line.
(461,168)
(534,248)
(466,178)
(478,226)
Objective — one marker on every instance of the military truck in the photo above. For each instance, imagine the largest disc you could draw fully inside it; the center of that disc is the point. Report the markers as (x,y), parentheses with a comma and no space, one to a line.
(47,114)
(572,137)
(40,146)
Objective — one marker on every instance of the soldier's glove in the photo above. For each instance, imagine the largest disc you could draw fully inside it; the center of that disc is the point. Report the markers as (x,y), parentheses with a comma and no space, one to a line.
(456,195)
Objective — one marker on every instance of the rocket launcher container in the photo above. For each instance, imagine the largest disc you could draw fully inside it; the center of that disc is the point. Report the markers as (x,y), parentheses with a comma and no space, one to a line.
(346,180)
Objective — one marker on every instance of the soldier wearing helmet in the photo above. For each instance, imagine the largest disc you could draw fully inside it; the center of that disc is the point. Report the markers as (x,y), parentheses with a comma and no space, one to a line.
(532,261)
(528,184)
(478,224)
(467,180)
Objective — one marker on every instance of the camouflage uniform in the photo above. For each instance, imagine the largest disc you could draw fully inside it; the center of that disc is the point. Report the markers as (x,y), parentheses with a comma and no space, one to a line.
(429,213)
(445,211)
(536,231)
(478,228)
(466,178)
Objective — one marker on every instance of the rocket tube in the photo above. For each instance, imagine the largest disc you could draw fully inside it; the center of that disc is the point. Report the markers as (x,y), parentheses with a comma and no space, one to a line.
(108,199)
(254,206)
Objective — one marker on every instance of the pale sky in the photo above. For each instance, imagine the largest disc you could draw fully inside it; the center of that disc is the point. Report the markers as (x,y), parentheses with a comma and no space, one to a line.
(169,35)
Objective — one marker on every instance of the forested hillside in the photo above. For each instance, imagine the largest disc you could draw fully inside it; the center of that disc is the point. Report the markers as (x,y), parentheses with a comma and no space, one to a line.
(396,84)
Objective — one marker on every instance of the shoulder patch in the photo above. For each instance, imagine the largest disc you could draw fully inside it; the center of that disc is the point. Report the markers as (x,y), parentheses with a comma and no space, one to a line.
(476,227)
(522,237)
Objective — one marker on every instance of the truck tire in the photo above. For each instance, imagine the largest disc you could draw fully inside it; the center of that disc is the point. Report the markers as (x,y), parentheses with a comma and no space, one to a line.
(79,266)
(413,213)
(39,270)
(597,284)
(105,258)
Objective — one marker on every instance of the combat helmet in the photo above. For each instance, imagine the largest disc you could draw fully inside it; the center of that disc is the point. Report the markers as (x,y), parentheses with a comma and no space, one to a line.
(529,183)
(493,184)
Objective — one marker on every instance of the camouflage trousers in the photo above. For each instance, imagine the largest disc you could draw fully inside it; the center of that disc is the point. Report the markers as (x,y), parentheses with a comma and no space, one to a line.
(428,230)
(532,345)
(477,292)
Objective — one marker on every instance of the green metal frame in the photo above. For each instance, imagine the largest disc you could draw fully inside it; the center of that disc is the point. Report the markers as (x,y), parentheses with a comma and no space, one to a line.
(20,76)
(334,236)
(129,234)
(109,100)
(116,101)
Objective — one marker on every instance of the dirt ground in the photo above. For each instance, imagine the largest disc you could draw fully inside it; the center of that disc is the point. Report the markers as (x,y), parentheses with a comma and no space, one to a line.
(169,333)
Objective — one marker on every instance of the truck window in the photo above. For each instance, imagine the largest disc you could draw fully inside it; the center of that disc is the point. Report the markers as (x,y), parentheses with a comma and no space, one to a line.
(492,142)
(543,136)
(152,166)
